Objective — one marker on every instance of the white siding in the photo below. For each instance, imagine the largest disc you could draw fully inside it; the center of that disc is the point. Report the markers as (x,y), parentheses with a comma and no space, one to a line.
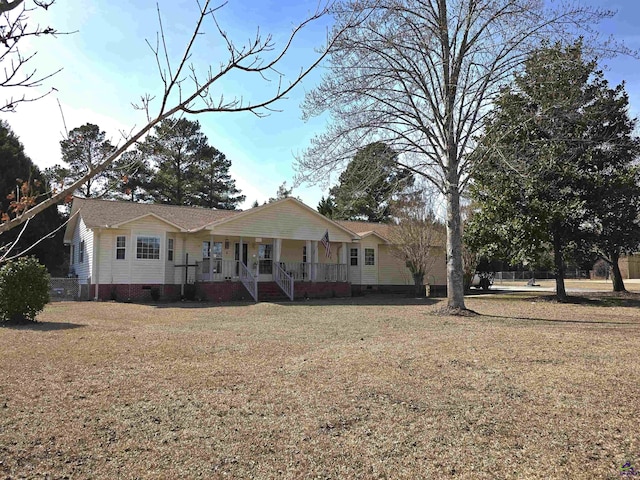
(392,270)
(133,270)
(113,270)
(369,272)
(285,220)
(83,270)
(354,270)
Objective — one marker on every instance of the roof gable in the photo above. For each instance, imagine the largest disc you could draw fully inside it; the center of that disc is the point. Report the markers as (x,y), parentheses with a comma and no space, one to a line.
(286,218)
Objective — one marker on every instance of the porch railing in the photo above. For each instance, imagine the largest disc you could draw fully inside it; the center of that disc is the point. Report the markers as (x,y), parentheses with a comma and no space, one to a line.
(318,272)
(249,281)
(283,279)
(216,270)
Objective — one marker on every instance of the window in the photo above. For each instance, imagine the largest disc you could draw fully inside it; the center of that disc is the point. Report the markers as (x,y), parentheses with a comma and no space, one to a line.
(206,250)
(170,249)
(264,258)
(121,247)
(216,255)
(81,252)
(73,254)
(148,248)
(369,256)
(304,254)
(353,256)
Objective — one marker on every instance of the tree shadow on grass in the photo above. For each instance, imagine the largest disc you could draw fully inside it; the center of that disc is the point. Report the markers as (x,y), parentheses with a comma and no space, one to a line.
(557,320)
(609,299)
(41,326)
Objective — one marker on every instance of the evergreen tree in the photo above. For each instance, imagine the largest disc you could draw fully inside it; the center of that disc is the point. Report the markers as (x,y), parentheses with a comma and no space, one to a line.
(21,178)
(173,150)
(131,177)
(216,187)
(85,148)
(557,140)
(368,185)
(326,206)
(186,169)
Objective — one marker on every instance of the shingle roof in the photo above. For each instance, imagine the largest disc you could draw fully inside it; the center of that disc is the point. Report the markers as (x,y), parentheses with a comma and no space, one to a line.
(362,228)
(103,213)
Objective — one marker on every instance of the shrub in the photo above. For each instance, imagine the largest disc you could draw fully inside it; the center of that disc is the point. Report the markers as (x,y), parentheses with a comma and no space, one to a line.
(24,289)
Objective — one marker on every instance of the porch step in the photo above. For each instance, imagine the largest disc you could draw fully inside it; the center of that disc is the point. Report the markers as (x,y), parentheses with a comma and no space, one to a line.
(270,292)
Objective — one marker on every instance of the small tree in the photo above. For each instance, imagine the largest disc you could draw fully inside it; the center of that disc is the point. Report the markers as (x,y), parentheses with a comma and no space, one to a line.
(24,289)
(415,234)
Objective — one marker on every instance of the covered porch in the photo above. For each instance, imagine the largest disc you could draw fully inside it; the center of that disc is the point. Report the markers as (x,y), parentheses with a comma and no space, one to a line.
(285,262)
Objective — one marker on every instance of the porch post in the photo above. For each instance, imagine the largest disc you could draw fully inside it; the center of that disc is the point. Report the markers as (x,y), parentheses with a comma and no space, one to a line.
(344,259)
(314,265)
(307,266)
(277,249)
(211,259)
(185,256)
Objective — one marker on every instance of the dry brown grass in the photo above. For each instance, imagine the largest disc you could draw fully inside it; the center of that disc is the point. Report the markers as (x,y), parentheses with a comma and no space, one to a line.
(366,388)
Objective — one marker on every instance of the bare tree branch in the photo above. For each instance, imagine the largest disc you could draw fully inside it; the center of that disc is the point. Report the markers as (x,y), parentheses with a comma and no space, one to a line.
(420,76)
(15,74)
(245,59)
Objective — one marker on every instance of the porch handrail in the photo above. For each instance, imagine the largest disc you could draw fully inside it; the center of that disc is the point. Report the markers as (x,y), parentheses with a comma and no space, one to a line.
(317,272)
(249,281)
(216,270)
(283,279)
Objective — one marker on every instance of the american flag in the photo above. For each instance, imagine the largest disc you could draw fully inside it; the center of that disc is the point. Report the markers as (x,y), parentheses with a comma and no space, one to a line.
(327,245)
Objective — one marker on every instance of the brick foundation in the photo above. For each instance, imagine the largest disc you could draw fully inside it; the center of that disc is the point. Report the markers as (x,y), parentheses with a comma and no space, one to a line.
(218,292)
(321,290)
(139,292)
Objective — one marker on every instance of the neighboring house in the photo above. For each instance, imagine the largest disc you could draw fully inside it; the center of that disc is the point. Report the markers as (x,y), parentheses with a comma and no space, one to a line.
(630,266)
(127,250)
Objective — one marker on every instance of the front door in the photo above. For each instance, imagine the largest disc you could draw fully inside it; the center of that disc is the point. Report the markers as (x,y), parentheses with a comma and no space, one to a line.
(245,256)
(265,262)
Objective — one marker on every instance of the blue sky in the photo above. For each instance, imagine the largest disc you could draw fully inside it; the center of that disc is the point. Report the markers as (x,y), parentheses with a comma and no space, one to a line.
(107,66)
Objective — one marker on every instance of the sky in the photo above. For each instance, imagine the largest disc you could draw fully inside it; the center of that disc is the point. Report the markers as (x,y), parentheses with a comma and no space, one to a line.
(107,66)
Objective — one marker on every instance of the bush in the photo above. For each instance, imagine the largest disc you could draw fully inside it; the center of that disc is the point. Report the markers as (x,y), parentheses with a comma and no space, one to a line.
(24,289)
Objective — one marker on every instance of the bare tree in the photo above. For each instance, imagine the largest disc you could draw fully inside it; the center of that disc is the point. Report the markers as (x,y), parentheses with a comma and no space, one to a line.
(16,74)
(416,234)
(420,75)
(186,90)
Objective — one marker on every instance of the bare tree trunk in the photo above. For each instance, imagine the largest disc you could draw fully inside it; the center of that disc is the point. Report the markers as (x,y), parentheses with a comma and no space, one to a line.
(418,282)
(618,283)
(558,259)
(455,281)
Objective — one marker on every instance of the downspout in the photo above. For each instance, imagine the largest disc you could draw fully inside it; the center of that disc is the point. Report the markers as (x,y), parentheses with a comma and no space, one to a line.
(96,258)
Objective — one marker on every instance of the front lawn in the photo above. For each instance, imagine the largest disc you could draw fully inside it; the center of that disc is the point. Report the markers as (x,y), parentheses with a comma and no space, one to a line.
(372,387)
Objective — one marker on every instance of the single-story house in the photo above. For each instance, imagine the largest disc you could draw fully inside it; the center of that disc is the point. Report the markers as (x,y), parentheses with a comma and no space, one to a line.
(126,250)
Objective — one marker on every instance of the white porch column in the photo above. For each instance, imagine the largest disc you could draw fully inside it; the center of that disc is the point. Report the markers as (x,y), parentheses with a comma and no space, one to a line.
(277,249)
(344,259)
(307,266)
(314,253)
(184,276)
(211,258)
(344,253)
